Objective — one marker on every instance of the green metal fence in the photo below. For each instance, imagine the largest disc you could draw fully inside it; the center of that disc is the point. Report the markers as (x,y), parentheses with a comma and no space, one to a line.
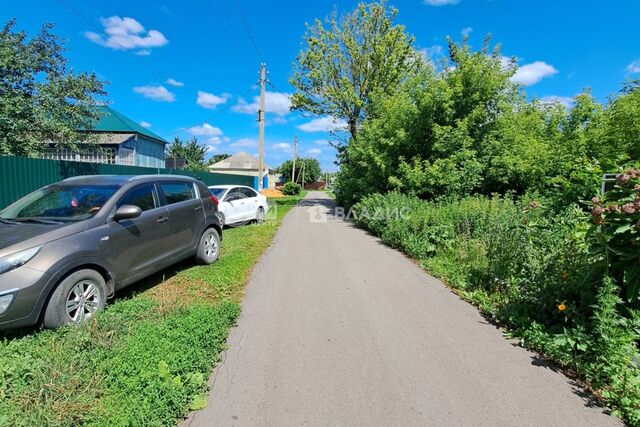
(20,176)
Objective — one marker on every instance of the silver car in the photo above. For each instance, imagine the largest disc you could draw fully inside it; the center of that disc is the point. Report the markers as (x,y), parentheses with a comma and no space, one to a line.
(67,247)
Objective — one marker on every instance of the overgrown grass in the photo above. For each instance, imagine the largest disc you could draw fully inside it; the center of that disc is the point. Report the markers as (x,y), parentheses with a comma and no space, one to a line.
(145,360)
(538,273)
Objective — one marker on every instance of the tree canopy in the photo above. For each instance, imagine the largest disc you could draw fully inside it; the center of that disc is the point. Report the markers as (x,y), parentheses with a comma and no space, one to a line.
(40,99)
(349,59)
(469,129)
(191,151)
(311,166)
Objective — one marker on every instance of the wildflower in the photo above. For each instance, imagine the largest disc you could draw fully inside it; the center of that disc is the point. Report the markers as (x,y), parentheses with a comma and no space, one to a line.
(636,187)
(623,179)
(562,307)
(597,211)
(533,204)
(629,208)
(595,200)
(636,202)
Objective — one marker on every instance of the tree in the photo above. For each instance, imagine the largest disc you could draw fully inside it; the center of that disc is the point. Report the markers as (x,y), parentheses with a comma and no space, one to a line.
(191,151)
(350,60)
(40,100)
(218,158)
(311,166)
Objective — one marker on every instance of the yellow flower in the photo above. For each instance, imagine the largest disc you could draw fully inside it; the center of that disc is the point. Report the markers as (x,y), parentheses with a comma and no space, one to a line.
(562,307)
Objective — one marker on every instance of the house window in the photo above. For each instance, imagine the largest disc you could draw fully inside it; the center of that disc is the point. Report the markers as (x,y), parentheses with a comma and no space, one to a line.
(100,155)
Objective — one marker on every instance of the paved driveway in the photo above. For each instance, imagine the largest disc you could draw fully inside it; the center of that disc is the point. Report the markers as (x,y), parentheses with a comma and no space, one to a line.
(337,329)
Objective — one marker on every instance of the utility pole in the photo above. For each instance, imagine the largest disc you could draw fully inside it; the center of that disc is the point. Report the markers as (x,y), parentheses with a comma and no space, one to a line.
(295,148)
(263,78)
(304,168)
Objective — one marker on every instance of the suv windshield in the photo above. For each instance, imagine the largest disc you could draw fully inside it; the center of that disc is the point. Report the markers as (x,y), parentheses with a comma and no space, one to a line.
(61,202)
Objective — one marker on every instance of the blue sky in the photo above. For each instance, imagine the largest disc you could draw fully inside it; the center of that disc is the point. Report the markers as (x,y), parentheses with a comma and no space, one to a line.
(171,64)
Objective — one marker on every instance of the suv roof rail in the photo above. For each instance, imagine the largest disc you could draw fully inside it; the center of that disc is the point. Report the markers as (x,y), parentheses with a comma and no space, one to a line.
(161,176)
(74,178)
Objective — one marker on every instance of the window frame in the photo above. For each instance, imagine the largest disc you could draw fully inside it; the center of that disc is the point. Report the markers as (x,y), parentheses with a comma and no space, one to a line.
(155,193)
(189,184)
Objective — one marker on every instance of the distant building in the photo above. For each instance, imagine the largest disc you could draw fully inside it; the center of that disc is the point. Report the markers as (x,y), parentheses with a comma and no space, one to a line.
(244,164)
(120,141)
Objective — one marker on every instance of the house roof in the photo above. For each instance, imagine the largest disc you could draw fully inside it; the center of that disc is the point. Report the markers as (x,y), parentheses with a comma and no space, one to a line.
(238,161)
(112,121)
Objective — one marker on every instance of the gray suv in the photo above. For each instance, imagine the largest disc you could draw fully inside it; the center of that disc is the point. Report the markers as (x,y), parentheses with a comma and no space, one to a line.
(67,247)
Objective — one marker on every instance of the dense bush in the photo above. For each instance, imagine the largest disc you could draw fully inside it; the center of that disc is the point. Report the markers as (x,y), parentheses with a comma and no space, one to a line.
(291,189)
(542,275)
(466,128)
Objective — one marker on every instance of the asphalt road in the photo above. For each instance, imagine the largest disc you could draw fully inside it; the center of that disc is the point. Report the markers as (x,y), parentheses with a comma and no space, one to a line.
(337,329)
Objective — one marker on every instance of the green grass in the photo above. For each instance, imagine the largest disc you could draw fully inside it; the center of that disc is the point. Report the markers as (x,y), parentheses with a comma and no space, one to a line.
(145,360)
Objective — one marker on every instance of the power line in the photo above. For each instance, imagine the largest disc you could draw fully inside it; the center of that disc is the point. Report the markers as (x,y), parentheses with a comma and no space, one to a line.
(226,25)
(221,110)
(246,26)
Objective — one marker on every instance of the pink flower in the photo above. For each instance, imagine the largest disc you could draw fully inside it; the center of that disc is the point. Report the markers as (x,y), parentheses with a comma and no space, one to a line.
(595,200)
(597,211)
(614,208)
(623,179)
(629,208)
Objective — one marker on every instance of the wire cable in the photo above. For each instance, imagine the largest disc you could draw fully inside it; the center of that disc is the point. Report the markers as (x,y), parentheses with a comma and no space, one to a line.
(246,26)
(221,110)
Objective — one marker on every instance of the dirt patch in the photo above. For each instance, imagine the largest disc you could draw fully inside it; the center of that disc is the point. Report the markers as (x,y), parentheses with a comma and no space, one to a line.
(272,193)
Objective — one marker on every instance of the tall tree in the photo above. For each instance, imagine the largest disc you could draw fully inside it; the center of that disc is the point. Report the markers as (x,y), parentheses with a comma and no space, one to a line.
(191,151)
(218,158)
(311,167)
(40,100)
(348,59)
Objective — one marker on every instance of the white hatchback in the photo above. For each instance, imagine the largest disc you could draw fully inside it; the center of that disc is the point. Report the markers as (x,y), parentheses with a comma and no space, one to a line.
(239,204)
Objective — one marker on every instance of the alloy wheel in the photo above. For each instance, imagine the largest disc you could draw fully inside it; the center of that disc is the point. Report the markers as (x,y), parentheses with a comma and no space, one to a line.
(83,301)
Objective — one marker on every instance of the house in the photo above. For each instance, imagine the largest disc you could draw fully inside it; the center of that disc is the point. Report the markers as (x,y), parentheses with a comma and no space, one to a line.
(244,164)
(120,141)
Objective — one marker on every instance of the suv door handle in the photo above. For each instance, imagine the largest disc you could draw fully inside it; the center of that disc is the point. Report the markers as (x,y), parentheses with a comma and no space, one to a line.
(197,208)
(162,219)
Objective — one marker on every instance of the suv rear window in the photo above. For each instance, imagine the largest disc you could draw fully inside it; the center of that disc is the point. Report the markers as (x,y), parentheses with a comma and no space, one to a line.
(176,192)
(142,196)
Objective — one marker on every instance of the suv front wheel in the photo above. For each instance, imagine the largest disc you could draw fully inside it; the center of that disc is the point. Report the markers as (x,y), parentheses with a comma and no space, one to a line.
(77,298)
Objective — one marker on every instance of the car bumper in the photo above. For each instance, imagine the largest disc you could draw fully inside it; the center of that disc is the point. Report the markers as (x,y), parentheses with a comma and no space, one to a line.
(25,285)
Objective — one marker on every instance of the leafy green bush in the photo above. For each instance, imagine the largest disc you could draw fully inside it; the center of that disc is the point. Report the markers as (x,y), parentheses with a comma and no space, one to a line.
(291,189)
(540,274)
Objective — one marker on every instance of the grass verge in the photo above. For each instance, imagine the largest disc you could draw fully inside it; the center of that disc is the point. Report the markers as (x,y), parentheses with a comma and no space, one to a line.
(145,360)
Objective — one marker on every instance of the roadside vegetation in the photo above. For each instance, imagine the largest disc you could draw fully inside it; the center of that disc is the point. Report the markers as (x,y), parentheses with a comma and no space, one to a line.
(497,193)
(147,358)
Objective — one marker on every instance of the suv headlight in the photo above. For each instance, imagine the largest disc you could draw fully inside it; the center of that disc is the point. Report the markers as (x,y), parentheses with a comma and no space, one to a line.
(15,260)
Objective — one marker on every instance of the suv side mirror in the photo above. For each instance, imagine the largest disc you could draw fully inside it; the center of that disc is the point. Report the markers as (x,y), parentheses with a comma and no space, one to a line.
(127,212)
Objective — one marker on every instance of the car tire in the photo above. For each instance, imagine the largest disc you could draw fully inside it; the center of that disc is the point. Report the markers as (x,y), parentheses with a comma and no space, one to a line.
(260,215)
(77,298)
(209,247)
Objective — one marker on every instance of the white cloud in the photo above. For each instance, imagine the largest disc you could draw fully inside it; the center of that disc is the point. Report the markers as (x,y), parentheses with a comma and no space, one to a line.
(245,143)
(174,82)
(634,67)
(281,146)
(142,52)
(441,2)
(217,140)
(126,33)
(205,130)
(466,31)
(323,124)
(567,101)
(274,102)
(157,93)
(432,53)
(321,142)
(211,101)
(314,152)
(145,124)
(530,74)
